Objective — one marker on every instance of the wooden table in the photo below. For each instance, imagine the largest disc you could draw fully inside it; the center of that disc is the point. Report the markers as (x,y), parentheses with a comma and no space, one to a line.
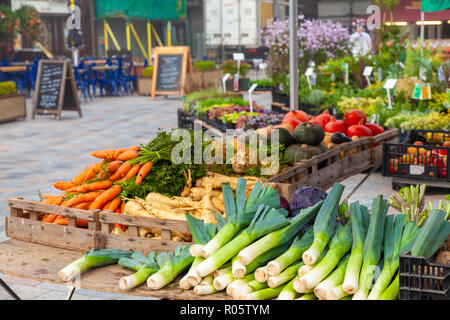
(104,68)
(42,263)
(23,63)
(13,69)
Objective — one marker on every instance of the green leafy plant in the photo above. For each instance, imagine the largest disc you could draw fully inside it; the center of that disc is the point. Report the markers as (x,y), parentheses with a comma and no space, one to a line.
(31,25)
(7,88)
(204,65)
(230,66)
(148,72)
(9,27)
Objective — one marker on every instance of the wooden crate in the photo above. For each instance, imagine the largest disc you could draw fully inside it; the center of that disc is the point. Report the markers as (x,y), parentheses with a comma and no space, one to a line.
(337,164)
(132,241)
(24,224)
(12,107)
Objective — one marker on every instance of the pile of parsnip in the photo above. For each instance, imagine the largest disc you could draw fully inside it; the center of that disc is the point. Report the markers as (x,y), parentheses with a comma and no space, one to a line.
(200,201)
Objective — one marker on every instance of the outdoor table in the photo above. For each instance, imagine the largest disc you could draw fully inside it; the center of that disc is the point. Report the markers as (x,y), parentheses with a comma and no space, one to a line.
(98,61)
(23,63)
(104,68)
(42,263)
(13,69)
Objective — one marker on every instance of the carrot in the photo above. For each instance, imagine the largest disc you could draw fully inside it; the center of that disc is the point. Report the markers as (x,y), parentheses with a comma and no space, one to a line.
(143,172)
(114,166)
(94,186)
(62,185)
(64,221)
(119,151)
(120,210)
(133,171)
(85,197)
(115,204)
(81,177)
(122,207)
(121,172)
(106,196)
(56,200)
(83,205)
(106,206)
(104,154)
(81,223)
(49,218)
(128,155)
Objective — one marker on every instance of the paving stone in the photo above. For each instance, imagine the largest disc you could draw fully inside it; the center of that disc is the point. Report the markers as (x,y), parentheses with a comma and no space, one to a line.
(10,280)
(27,292)
(98,294)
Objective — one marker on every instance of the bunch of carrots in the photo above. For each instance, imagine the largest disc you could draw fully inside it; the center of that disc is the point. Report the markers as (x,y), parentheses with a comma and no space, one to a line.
(98,185)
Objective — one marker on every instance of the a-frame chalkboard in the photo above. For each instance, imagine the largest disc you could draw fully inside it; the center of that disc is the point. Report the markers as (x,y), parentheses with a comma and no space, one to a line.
(171,65)
(55,89)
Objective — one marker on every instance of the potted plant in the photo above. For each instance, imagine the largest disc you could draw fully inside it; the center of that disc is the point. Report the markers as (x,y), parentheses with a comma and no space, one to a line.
(12,104)
(230,66)
(204,76)
(144,82)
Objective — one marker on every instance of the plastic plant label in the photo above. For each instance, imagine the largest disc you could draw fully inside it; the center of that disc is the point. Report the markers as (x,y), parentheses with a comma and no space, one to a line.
(416,170)
(390,84)
(250,98)
(368,71)
(224,81)
(417,94)
(309,72)
(238,56)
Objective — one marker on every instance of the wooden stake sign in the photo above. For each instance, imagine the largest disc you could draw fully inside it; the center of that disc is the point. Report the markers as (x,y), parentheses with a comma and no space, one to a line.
(55,89)
(171,65)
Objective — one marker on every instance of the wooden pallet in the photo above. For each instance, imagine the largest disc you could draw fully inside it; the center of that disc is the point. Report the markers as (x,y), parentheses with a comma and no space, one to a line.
(24,223)
(132,241)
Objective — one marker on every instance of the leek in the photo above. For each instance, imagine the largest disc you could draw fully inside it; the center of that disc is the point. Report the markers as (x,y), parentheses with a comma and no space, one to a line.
(241,270)
(305,269)
(279,236)
(144,267)
(205,286)
(238,283)
(372,247)
(307,296)
(338,247)
(334,279)
(264,222)
(336,293)
(252,286)
(286,276)
(261,274)
(171,265)
(264,294)
(222,281)
(359,220)
(391,293)
(324,224)
(288,292)
(201,234)
(92,259)
(240,212)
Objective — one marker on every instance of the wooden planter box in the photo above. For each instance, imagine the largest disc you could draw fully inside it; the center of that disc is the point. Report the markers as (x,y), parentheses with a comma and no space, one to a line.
(202,80)
(24,224)
(132,241)
(12,107)
(337,164)
(144,86)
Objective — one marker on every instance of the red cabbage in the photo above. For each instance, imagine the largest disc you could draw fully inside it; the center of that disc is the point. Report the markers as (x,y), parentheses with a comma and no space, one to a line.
(284,204)
(304,198)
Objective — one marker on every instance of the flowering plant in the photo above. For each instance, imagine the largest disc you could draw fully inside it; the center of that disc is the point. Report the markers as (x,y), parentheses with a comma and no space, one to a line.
(9,25)
(31,25)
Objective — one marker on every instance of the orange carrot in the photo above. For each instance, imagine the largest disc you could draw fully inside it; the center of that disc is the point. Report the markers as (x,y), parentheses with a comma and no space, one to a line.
(106,206)
(81,223)
(56,200)
(81,177)
(122,207)
(62,185)
(104,154)
(120,210)
(143,172)
(121,172)
(64,221)
(106,196)
(114,166)
(83,206)
(49,218)
(128,155)
(94,186)
(85,197)
(115,204)
(119,151)
(133,171)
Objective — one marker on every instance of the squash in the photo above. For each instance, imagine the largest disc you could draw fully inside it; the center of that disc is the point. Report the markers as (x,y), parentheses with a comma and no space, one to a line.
(284,136)
(309,133)
(322,147)
(327,139)
(296,153)
(339,138)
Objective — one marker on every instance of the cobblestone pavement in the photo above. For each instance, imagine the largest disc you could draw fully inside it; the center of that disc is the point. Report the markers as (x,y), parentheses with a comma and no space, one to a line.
(34,153)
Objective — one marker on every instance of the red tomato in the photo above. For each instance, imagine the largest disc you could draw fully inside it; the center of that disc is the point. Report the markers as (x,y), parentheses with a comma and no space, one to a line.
(354,117)
(292,122)
(297,114)
(418,143)
(375,128)
(359,130)
(336,126)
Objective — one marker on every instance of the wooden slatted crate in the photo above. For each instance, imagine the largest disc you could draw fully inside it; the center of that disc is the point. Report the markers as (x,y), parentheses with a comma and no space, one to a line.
(24,223)
(132,241)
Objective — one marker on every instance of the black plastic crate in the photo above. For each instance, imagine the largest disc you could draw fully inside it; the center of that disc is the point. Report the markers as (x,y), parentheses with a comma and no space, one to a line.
(185,120)
(423,162)
(420,279)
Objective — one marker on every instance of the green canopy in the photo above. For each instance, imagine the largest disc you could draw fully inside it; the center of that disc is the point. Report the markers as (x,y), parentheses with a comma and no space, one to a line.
(141,9)
(435,5)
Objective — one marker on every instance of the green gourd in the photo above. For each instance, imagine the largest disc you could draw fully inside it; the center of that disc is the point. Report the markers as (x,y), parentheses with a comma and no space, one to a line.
(309,133)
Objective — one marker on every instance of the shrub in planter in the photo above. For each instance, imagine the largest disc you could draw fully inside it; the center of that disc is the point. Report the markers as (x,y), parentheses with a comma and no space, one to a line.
(230,66)
(12,105)
(144,83)
(148,72)
(7,88)
(204,66)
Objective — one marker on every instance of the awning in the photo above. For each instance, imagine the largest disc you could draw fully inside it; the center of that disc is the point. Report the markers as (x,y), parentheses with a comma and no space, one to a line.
(409,11)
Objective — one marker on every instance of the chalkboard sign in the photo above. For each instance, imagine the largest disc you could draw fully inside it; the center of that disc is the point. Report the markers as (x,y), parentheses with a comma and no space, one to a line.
(55,89)
(170,68)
